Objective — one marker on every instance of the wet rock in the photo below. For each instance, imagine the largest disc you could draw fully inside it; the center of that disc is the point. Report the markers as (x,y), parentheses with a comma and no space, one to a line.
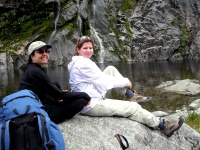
(195,105)
(186,87)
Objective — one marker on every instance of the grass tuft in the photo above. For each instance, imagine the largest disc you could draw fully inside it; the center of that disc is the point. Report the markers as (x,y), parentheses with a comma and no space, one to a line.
(193,120)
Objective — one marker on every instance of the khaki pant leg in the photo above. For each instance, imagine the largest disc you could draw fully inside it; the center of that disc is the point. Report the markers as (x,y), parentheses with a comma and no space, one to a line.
(111,70)
(130,110)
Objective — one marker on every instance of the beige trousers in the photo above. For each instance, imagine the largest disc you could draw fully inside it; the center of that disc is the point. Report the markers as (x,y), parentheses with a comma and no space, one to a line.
(127,109)
(111,70)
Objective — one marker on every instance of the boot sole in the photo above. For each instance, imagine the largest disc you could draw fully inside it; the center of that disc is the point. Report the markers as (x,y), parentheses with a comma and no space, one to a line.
(181,120)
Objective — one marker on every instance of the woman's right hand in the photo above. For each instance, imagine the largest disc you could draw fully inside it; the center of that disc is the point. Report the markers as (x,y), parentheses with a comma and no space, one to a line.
(88,103)
(130,85)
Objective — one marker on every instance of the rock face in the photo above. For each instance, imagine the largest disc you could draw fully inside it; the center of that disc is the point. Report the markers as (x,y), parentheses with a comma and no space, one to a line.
(3,64)
(83,132)
(5,61)
(149,30)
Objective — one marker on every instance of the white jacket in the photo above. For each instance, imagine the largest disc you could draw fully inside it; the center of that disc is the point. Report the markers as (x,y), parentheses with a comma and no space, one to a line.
(86,76)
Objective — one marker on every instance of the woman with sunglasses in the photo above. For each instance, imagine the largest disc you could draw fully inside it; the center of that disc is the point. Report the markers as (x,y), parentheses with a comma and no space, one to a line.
(59,104)
(85,76)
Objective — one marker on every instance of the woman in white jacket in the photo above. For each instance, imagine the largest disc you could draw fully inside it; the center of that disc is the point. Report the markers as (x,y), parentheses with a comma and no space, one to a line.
(85,76)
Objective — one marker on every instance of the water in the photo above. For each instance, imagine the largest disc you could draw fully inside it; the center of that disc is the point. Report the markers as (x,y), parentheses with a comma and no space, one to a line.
(55,23)
(101,51)
(144,76)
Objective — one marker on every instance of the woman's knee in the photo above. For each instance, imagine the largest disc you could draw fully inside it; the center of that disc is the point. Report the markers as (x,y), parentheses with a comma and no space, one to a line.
(80,103)
(110,68)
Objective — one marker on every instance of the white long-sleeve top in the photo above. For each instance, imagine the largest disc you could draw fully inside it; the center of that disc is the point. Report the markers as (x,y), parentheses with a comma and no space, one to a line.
(86,76)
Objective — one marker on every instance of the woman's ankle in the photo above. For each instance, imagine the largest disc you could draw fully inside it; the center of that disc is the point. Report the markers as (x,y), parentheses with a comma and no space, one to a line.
(129,93)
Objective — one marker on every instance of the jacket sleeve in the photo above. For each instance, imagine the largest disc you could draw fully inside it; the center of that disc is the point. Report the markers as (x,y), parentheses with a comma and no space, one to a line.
(45,84)
(94,75)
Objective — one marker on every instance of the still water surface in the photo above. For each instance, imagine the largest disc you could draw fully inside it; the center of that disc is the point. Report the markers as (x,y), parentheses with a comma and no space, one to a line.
(144,76)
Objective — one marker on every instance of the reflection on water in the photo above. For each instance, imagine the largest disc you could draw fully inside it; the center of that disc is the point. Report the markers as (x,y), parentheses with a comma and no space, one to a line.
(9,80)
(144,76)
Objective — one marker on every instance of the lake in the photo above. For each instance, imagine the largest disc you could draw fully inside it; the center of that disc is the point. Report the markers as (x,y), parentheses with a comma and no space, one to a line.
(144,76)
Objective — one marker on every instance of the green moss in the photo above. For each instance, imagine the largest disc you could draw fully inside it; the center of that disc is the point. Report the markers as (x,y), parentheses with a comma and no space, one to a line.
(184,36)
(128,28)
(127,5)
(23,21)
(193,120)
(70,34)
(130,34)
(122,51)
(175,22)
(112,23)
(183,40)
(27,26)
(87,32)
(45,26)
(71,29)
(69,26)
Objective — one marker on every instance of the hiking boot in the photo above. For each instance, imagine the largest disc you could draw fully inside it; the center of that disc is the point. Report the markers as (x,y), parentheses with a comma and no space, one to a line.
(140,99)
(171,126)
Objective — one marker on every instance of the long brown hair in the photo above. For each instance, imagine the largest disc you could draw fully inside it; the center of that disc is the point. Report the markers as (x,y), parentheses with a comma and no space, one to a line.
(80,43)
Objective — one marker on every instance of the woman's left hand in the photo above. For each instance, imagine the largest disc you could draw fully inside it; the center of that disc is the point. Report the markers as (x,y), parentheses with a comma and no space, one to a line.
(60,100)
(88,103)
(65,90)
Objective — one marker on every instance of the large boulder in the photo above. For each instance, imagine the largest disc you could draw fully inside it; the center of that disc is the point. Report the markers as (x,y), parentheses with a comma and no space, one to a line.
(84,132)
(186,87)
(92,133)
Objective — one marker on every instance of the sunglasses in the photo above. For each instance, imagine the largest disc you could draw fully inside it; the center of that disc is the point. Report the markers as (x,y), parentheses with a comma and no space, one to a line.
(40,51)
(84,38)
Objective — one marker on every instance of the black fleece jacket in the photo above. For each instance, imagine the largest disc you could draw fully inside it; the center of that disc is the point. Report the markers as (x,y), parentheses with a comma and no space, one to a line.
(36,79)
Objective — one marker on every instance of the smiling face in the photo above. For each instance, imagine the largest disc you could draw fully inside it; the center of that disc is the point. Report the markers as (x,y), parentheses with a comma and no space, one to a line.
(41,56)
(86,50)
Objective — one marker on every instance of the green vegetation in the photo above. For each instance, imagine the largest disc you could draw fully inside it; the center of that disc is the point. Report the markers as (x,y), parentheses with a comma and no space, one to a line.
(128,28)
(128,4)
(70,26)
(184,36)
(25,20)
(112,23)
(175,22)
(183,39)
(86,27)
(193,120)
